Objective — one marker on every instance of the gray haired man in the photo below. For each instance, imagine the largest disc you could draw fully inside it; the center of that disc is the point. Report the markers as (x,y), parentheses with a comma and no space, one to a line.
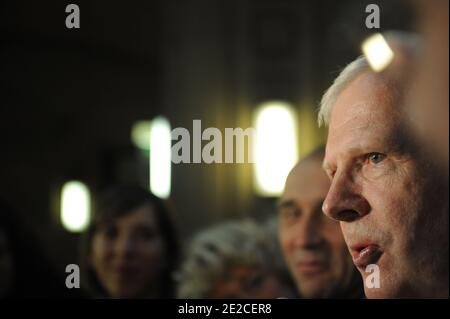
(390,198)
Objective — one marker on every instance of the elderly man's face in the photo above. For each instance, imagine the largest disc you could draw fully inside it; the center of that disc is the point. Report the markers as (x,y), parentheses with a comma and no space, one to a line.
(381,196)
(313,245)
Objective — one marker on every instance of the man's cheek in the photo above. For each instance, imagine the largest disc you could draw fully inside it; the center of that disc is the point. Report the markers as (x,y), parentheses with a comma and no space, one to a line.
(336,239)
(382,175)
(284,243)
(381,195)
(345,231)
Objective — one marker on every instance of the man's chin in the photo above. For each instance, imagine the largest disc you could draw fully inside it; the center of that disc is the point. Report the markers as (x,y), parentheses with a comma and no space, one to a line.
(315,289)
(386,293)
(387,289)
(376,293)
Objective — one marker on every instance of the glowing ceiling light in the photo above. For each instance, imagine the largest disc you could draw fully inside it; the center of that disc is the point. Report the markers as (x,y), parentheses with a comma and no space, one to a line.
(160,157)
(275,147)
(75,206)
(377,52)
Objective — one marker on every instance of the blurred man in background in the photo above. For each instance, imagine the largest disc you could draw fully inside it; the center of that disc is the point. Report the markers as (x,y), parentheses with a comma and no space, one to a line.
(313,245)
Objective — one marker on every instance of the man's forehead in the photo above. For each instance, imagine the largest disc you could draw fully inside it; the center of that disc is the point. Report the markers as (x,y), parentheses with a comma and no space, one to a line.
(363,114)
(304,177)
(362,101)
(291,183)
(305,170)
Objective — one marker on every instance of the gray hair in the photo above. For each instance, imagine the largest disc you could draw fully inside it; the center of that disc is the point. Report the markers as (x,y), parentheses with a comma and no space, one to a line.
(214,250)
(408,42)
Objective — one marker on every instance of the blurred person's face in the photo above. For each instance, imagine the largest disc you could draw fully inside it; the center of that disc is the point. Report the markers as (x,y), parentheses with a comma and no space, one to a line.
(247,282)
(6,266)
(312,244)
(381,197)
(128,254)
(428,103)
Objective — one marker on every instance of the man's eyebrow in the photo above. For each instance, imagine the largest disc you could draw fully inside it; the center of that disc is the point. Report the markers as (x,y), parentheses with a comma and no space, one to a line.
(285,203)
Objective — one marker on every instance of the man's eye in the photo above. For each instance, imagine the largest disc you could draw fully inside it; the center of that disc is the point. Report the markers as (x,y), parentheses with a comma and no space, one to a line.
(376,158)
(291,213)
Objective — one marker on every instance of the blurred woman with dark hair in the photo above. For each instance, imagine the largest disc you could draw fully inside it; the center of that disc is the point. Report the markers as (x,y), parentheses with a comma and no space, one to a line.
(130,249)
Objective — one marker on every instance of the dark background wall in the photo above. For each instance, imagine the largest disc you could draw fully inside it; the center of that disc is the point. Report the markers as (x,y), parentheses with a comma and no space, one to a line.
(70,97)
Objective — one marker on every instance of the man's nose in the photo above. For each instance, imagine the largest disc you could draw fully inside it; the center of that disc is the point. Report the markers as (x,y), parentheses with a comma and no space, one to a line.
(344,201)
(308,234)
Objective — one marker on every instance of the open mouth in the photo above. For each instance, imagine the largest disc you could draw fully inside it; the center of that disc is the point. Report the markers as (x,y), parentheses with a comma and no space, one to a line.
(365,254)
